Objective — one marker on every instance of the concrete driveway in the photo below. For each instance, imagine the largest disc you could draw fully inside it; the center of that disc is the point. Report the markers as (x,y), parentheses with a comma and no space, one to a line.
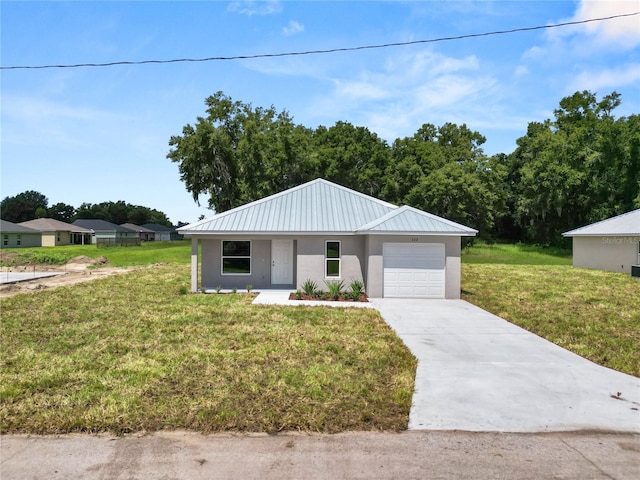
(478,372)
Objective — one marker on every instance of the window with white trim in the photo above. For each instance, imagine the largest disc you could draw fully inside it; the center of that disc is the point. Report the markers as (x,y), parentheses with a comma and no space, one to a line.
(5,239)
(19,239)
(236,257)
(332,259)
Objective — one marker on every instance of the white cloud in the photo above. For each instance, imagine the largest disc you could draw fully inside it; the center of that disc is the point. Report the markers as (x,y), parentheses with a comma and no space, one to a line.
(293,28)
(407,91)
(521,71)
(622,32)
(609,78)
(251,7)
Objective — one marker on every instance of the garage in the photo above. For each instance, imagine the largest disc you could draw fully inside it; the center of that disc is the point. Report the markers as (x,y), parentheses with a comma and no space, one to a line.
(415,270)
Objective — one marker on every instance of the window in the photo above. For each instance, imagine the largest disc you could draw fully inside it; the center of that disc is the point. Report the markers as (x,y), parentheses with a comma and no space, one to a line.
(5,240)
(332,259)
(236,257)
(19,239)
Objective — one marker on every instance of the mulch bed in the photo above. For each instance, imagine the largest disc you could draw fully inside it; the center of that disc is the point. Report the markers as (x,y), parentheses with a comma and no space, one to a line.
(326,298)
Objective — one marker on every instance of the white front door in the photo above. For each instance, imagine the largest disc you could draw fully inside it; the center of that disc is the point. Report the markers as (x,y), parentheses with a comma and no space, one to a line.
(281,262)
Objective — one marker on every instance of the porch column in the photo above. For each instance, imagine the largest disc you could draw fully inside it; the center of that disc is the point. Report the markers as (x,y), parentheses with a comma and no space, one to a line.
(194,264)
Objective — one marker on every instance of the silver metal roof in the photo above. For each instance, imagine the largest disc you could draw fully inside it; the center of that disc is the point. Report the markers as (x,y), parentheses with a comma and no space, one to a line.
(625,224)
(318,207)
(411,220)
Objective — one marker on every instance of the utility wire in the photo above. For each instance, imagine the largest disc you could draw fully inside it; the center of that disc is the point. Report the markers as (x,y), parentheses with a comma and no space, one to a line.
(318,52)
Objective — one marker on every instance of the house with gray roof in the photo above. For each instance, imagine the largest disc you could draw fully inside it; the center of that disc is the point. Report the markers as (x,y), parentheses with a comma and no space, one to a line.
(56,232)
(321,231)
(163,233)
(145,234)
(18,236)
(107,233)
(612,244)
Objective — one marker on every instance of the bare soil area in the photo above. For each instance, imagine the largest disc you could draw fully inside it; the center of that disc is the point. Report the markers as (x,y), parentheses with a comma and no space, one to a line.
(77,270)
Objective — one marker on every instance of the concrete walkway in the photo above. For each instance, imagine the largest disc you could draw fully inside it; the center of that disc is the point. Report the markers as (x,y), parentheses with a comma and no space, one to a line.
(478,372)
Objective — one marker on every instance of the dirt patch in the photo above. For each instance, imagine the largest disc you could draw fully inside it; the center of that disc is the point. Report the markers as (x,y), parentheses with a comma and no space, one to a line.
(72,273)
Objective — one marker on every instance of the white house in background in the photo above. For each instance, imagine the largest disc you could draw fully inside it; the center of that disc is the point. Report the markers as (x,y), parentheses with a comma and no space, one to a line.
(13,235)
(322,231)
(612,244)
(55,232)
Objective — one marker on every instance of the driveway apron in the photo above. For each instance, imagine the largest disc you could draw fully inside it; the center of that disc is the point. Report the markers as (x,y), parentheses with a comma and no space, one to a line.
(478,372)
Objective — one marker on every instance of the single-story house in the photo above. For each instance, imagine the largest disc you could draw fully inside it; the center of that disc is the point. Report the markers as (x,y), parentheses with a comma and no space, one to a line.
(163,234)
(16,236)
(612,244)
(56,232)
(107,233)
(321,231)
(145,234)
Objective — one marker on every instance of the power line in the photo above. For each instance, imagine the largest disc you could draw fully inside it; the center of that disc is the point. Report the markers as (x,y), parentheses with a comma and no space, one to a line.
(319,52)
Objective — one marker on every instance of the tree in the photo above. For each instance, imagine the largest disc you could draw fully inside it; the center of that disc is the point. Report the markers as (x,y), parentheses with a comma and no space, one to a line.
(23,207)
(579,168)
(350,156)
(62,211)
(444,171)
(238,153)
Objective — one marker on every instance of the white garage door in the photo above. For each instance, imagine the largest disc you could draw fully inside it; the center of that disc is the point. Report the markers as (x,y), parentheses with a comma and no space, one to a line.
(413,270)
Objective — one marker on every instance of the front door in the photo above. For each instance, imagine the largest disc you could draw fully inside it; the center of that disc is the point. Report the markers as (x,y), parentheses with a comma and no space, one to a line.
(281,262)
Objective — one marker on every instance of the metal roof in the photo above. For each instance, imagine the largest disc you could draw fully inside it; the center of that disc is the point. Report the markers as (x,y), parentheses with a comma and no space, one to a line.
(53,225)
(9,227)
(318,207)
(411,220)
(625,224)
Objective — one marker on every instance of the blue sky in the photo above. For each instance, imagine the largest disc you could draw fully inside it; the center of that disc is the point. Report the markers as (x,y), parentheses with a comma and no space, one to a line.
(101,134)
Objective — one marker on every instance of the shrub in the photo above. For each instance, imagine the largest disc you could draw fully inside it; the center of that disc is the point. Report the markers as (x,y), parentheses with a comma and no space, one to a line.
(218,288)
(298,294)
(357,289)
(309,287)
(183,290)
(249,288)
(335,288)
(234,290)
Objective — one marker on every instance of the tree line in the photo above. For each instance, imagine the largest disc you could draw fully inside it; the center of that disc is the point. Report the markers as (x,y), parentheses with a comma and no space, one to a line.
(31,204)
(579,167)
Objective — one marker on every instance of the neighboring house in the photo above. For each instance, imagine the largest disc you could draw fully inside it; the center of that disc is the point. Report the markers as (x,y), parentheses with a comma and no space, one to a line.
(163,234)
(322,231)
(107,233)
(55,232)
(17,236)
(612,244)
(145,234)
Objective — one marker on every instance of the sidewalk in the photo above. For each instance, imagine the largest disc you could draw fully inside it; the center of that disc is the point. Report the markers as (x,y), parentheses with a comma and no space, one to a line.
(359,455)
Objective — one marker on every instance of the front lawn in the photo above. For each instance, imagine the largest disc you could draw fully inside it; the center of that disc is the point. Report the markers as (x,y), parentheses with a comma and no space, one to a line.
(131,353)
(592,313)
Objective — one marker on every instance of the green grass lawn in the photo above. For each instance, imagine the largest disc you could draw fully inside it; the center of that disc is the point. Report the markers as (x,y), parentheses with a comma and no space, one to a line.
(592,313)
(131,353)
(147,253)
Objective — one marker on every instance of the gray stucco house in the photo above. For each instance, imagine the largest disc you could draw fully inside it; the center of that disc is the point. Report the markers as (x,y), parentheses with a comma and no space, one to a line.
(612,244)
(322,231)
